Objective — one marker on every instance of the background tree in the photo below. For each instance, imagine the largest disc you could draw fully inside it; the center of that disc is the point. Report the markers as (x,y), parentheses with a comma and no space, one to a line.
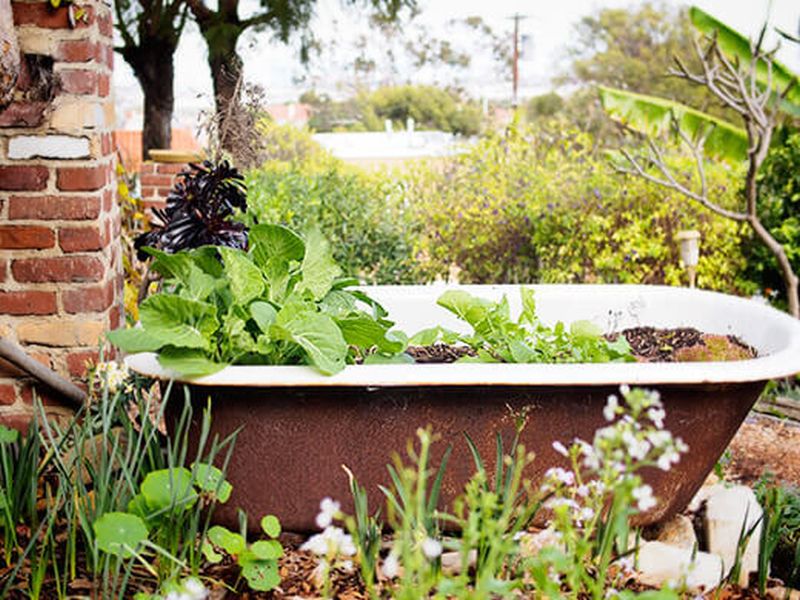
(222,28)
(150,31)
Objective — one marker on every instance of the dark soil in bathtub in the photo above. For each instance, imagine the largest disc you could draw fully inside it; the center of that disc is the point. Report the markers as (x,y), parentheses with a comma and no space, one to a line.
(647,343)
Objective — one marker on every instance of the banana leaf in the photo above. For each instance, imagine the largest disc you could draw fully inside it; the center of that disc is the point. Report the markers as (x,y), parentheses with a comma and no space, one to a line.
(653,116)
(736,47)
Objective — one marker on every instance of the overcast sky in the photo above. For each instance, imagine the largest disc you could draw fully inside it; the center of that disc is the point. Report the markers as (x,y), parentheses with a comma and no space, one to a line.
(549,28)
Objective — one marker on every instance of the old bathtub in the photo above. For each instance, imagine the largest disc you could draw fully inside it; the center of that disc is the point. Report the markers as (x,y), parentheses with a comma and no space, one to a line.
(299,426)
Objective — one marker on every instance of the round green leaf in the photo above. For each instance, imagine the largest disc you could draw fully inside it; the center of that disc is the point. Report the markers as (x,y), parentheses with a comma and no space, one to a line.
(261,575)
(210,479)
(271,526)
(119,533)
(267,549)
(232,543)
(210,553)
(8,435)
(168,487)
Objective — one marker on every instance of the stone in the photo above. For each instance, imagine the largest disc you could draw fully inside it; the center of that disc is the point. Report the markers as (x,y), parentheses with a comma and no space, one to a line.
(677,532)
(782,593)
(530,544)
(451,562)
(710,485)
(728,510)
(659,564)
(47,146)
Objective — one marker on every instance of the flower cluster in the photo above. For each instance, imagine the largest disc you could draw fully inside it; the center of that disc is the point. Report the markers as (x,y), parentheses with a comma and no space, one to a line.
(114,375)
(189,589)
(333,546)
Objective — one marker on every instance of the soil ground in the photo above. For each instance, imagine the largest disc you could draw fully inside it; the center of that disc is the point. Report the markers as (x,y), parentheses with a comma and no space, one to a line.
(766,445)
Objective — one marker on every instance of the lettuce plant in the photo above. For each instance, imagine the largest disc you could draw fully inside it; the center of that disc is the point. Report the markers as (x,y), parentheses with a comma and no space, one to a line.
(280,302)
(498,338)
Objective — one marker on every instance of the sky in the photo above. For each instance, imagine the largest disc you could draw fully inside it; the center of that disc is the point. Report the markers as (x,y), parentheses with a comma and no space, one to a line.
(548,26)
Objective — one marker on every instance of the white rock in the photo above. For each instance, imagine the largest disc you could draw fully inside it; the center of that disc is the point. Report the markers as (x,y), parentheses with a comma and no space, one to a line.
(47,146)
(710,485)
(451,561)
(726,512)
(678,532)
(660,564)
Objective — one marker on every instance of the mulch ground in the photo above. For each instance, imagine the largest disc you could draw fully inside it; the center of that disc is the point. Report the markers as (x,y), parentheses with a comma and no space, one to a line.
(766,445)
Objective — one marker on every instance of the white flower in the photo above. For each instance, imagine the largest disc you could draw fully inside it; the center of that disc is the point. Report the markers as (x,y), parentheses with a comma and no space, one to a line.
(560,448)
(626,565)
(644,497)
(391,566)
(610,411)
(328,509)
(562,475)
(431,548)
(114,374)
(320,572)
(554,503)
(624,389)
(582,490)
(331,542)
(659,438)
(194,589)
(666,460)
(657,415)
(586,514)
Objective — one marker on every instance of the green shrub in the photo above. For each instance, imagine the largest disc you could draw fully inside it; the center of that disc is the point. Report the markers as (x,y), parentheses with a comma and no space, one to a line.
(529,205)
(360,214)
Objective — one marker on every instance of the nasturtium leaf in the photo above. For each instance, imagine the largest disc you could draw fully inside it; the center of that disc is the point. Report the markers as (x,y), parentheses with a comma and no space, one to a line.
(119,533)
(271,526)
(245,277)
(8,435)
(274,242)
(138,506)
(165,488)
(263,314)
(189,362)
(230,542)
(317,334)
(267,549)
(179,321)
(209,478)
(318,268)
(210,553)
(133,340)
(261,575)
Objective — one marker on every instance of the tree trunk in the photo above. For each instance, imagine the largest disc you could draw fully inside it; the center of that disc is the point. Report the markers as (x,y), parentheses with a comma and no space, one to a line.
(9,53)
(790,278)
(226,74)
(152,63)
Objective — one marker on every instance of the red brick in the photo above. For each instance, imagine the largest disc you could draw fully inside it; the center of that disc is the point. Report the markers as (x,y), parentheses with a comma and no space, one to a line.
(103,85)
(15,237)
(81,239)
(53,207)
(8,394)
(108,200)
(3,270)
(23,114)
(88,299)
(74,179)
(106,144)
(45,396)
(78,362)
(41,15)
(148,191)
(171,168)
(115,317)
(16,420)
(78,81)
(110,57)
(79,51)
(156,180)
(20,178)
(27,303)
(148,167)
(59,269)
(105,24)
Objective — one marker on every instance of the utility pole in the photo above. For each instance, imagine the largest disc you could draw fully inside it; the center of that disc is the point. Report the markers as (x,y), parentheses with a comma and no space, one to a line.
(515,67)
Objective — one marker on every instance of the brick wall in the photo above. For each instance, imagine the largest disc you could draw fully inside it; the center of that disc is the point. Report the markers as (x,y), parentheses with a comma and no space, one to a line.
(60,267)
(158,176)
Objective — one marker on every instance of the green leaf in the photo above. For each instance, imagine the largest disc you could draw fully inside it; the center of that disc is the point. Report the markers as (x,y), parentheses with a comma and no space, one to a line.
(433,335)
(179,321)
(119,533)
(465,306)
(210,553)
(316,333)
(209,478)
(168,488)
(361,330)
(189,362)
(267,549)
(263,314)
(528,314)
(394,359)
(261,575)
(271,526)
(246,280)
(133,340)
(319,269)
(338,303)
(183,267)
(8,435)
(585,329)
(737,48)
(138,506)
(271,242)
(654,116)
(230,542)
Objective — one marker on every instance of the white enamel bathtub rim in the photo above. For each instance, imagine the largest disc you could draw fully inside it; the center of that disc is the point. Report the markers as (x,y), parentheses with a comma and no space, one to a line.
(775,335)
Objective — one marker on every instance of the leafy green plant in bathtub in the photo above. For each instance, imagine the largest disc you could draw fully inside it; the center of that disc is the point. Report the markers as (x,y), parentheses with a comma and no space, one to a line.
(496,337)
(281,302)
